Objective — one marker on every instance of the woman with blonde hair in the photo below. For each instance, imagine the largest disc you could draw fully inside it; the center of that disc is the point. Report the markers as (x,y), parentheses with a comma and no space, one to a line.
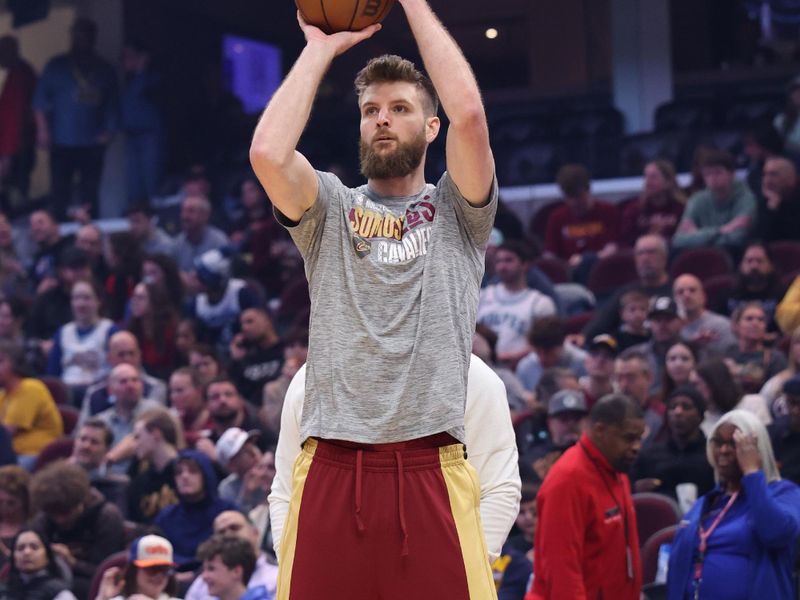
(739,540)
(659,207)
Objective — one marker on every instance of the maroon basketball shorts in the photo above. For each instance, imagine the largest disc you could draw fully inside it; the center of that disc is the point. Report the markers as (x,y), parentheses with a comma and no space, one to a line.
(384,522)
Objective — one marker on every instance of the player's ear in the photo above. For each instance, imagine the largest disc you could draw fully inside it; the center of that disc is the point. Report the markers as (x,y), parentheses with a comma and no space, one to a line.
(432,126)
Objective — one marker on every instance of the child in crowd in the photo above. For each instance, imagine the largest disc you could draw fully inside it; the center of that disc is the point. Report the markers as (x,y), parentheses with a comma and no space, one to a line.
(633,313)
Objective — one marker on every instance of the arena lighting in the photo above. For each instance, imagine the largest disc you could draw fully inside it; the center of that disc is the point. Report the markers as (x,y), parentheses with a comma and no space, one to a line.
(491,33)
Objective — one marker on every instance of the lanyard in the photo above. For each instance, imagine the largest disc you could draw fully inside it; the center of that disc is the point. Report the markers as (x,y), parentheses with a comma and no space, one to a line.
(620,508)
(703,546)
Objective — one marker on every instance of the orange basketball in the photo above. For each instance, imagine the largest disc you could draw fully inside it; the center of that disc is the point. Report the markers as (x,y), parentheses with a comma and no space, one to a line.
(343,15)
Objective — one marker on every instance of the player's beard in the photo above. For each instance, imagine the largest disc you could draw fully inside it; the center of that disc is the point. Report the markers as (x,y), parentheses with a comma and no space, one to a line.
(398,163)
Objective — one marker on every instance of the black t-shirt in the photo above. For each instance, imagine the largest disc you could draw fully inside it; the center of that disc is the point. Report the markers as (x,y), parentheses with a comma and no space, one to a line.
(258,367)
(786,445)
(150,490)
(670,464)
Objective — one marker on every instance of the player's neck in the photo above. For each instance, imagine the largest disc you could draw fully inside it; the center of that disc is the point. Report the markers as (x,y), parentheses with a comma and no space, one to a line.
(399,187)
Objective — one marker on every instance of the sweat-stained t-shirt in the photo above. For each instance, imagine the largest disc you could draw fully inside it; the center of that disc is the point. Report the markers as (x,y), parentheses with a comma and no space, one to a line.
(394,286)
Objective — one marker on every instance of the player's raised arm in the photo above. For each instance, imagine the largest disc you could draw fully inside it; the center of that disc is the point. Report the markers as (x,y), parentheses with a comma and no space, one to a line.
(469,158)
(286,175)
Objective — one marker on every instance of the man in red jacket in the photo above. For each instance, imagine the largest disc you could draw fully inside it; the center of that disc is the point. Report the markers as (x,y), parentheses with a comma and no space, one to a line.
(586,545)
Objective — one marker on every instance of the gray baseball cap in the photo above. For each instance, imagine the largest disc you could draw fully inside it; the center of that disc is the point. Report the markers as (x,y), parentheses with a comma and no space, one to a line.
(567,401)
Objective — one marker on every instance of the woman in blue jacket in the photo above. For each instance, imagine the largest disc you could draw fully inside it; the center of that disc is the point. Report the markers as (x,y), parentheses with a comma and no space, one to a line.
(738,541)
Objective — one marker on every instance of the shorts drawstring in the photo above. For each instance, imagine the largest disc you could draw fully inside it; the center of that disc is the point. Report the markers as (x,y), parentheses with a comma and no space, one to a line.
(400,503)
(359,468)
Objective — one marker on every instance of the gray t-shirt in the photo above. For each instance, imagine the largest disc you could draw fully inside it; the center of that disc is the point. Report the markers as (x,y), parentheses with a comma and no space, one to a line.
(717,324)
(184,252)
(394,286)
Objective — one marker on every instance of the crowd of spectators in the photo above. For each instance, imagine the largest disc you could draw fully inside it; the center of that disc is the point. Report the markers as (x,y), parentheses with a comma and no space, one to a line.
(663,334)
(143,373)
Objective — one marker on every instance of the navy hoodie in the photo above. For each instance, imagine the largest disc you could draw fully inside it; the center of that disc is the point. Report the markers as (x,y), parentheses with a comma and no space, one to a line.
(189,524)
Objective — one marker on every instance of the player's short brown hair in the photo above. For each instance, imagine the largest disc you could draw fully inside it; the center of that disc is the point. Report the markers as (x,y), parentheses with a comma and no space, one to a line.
(390,67)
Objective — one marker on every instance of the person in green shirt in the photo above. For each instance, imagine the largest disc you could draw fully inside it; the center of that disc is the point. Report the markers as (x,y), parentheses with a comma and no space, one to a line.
(720,215)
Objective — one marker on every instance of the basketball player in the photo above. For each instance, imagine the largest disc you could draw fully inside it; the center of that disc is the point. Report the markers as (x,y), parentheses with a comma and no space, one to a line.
(487,430)
(384,503)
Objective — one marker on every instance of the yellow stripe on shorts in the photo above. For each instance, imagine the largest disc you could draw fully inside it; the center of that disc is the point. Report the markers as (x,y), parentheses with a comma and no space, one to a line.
(464,492)
(289,537)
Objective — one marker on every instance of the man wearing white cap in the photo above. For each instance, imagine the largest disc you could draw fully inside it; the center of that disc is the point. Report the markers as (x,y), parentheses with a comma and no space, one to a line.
(238,454)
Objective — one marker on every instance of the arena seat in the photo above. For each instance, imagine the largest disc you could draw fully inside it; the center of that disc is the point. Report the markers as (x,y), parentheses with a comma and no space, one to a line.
(717,289)
(611,272)
(704,263)
(538,223)
(118,559)
(69,417)
(55,450)
(555,268)
(600,122)
(57,388)
(520,129)
(574,325)
(534,162)
(638,150)
(650,550)
(684,115)
(729,140)
(654,512)
(785,255)
(748,112)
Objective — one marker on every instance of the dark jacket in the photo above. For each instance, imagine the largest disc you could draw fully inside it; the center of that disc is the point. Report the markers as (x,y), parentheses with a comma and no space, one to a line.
(41,586)
(672,465)
(781,223)
(187,524)
(97,534)
(786,445)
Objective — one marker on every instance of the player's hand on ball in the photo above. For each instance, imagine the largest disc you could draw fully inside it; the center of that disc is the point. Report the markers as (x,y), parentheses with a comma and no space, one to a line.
(342,40)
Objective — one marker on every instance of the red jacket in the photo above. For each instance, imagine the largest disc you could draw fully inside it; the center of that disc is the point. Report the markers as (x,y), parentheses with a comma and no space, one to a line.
(580,545)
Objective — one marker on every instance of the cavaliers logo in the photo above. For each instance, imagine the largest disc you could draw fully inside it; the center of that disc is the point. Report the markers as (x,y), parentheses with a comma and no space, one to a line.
(361,246)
